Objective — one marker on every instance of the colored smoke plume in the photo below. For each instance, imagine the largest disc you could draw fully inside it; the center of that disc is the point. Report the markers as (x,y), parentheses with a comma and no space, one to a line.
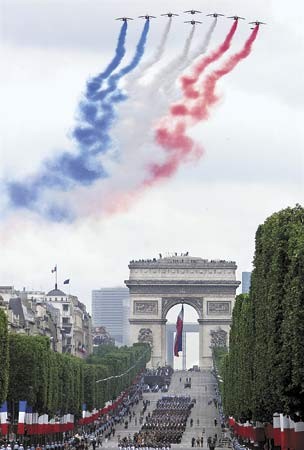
(171,135)
(187,59)
(95,83)
(160,49)
(188,82)
(179,148)
(207,96)
(69,170)
(98,112)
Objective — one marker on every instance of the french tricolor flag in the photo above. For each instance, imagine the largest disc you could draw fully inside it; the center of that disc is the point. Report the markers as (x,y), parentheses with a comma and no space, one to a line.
(21,417)
(3,419)
(178,344)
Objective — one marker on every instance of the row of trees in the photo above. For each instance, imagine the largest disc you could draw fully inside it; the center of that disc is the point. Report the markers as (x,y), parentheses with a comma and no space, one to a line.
(57,383)
(264,370)
(4,367)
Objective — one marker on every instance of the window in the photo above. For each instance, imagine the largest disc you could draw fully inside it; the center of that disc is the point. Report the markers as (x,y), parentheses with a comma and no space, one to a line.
(65,307)
(65,320)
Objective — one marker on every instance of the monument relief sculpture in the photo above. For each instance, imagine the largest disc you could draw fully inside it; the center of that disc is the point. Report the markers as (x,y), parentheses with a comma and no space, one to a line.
(149,307)
(145,336)
(218,338)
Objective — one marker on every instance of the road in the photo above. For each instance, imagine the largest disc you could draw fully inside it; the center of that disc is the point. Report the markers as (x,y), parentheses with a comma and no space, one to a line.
(203,415)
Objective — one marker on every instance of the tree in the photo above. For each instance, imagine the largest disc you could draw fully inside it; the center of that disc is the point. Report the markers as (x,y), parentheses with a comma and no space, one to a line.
(264,370)
(4,357)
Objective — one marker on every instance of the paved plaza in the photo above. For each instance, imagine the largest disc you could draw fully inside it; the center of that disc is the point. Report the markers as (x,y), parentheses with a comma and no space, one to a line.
(203,414)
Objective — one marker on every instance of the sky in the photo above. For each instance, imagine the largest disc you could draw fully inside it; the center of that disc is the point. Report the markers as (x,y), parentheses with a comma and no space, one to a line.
(253,142)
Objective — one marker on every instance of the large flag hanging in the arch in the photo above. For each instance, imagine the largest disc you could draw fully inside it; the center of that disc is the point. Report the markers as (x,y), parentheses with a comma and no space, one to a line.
(178,344)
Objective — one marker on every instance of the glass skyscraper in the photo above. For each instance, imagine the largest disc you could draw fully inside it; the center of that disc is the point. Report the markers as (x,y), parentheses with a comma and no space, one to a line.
(110,307)
(246,280)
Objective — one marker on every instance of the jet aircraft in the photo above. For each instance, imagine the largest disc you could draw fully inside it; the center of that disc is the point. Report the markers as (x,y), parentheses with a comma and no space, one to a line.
(236,17)
(124,19)
(215,15)
(169,14)
(193,11)
(147,17)
(257,22)
(193,22)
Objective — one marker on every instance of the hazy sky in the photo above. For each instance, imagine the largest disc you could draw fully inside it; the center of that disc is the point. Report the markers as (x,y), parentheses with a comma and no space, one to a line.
(253,142)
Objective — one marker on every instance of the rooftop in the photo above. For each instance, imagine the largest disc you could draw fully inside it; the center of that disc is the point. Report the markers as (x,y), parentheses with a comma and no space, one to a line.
(183,259)
(56,293)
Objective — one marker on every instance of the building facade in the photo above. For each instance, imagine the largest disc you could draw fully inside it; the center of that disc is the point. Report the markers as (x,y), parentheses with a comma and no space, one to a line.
(110,309)
(60,317)
(157,285)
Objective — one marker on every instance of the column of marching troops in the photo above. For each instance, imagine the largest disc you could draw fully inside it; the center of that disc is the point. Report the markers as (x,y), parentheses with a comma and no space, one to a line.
(164,426)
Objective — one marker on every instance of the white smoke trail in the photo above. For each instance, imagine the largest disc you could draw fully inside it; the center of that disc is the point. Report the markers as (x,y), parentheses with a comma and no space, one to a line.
(142,108)
(132,81)
(134,134)
(174,68)
(160,49)
(134,131)
(200,50)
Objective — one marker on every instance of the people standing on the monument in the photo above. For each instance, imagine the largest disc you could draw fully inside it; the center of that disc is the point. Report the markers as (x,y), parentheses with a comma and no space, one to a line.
(197,422)
(202,441)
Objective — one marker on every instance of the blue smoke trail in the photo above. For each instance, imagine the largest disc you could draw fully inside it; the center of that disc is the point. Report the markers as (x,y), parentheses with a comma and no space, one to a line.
(98,112)
(69,170)
(95,83)
(113,80)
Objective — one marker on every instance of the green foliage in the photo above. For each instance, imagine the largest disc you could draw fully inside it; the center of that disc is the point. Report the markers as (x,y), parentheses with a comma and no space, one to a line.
(28,379)
(4,357)
(59,383)
(264,371)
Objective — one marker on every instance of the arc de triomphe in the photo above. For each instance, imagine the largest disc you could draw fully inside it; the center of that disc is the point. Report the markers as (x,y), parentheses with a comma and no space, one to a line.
(157,285)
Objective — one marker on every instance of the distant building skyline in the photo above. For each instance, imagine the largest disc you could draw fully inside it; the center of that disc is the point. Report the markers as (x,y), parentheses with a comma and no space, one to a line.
(110,309)
(246,281)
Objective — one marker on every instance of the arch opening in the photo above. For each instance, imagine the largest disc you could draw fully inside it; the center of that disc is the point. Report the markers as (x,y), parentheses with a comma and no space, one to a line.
(189,357)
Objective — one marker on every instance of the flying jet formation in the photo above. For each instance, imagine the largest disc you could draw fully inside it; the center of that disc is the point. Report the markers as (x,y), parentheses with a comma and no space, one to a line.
(236,17)
(147,17)
(193,11)
(124,19)
(257,22)
(215,15)
(193,22)
(169,14)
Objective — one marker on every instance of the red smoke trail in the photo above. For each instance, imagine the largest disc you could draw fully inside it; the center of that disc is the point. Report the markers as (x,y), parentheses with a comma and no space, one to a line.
(207,96)
(173,138)
(188,82)
(180,148)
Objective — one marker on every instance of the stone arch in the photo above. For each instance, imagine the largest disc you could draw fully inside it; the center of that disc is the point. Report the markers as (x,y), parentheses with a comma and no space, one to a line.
(168,303)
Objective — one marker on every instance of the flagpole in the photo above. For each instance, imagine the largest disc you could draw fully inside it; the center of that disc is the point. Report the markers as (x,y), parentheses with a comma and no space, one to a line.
(56,277)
